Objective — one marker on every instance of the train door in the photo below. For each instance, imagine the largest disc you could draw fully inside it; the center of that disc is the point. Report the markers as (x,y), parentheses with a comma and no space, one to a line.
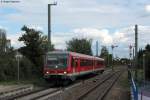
(74,64)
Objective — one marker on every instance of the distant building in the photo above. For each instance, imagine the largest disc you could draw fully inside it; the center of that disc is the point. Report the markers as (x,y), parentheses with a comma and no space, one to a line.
(4,43)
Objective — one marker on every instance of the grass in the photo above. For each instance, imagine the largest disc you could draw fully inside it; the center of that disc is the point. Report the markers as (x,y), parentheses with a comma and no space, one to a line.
(139,76)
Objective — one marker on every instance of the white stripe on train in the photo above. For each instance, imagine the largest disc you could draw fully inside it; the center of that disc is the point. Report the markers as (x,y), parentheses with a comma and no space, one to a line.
(79,73)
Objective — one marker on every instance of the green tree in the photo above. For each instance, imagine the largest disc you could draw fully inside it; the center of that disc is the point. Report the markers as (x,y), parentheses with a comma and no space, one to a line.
(46,46)
(80,46)
(146,52)
(147,61)
(7,66)
(147,48)
(3,40)
(140,58)
(36,46)
(104,52)
(106,56)
(147,65)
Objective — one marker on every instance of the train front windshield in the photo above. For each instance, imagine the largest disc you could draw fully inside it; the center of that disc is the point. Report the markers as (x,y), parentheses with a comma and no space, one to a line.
(57,61)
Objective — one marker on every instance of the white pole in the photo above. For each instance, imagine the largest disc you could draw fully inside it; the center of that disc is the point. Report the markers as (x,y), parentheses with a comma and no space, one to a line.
(112,58)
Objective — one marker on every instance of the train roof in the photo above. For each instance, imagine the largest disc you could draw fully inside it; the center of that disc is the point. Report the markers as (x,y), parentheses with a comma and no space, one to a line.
(74,54)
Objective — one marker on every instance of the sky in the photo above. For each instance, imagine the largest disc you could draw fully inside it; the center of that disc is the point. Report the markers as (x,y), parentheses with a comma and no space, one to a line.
(110,22)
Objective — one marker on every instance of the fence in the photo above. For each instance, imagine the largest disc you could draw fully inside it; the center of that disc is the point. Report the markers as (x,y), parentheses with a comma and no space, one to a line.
(144,91)
(134,89)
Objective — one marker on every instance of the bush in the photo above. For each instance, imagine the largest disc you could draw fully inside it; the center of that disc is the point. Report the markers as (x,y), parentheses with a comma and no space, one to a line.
(8,67)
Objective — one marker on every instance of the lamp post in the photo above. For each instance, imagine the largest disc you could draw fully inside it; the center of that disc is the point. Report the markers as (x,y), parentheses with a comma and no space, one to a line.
(18,57)
(49,20)
(112,47)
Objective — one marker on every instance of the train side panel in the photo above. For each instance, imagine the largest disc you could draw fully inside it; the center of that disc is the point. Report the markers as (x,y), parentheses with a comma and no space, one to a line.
(77,65)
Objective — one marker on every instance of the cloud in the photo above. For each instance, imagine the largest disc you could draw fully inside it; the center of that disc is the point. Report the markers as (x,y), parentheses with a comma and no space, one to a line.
(128,35)
(14,40)
(94,33)
(93,19)
(119,37)
(103,9)
(38,28)
(69,13)
(147,8)
(122,37)
(1,27)
(102,35)
(4,28)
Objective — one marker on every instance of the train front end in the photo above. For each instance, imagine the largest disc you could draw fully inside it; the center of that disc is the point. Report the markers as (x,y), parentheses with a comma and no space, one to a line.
(56,66)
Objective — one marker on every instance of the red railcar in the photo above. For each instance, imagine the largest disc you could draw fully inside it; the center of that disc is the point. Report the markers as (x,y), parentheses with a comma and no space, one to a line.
(69,65)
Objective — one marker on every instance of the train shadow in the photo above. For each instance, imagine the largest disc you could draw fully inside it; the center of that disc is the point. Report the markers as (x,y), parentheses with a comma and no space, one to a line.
(67,83)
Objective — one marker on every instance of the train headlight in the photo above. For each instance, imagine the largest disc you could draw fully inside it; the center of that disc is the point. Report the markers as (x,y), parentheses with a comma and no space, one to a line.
(65,72)
(47,72)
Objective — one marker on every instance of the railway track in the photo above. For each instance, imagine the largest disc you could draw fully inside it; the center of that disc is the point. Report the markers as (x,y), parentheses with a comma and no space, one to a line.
(16,91)
(27,92)
(81,90)
(99,91)
(92,89)
(39,94)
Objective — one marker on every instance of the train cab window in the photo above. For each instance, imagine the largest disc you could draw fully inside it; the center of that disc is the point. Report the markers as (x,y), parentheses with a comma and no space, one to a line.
(57,61)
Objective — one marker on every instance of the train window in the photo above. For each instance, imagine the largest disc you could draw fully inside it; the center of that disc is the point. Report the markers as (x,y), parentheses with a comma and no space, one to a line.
(86,62)
(82,62)
(57,61)
(99,63)
(102,63)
